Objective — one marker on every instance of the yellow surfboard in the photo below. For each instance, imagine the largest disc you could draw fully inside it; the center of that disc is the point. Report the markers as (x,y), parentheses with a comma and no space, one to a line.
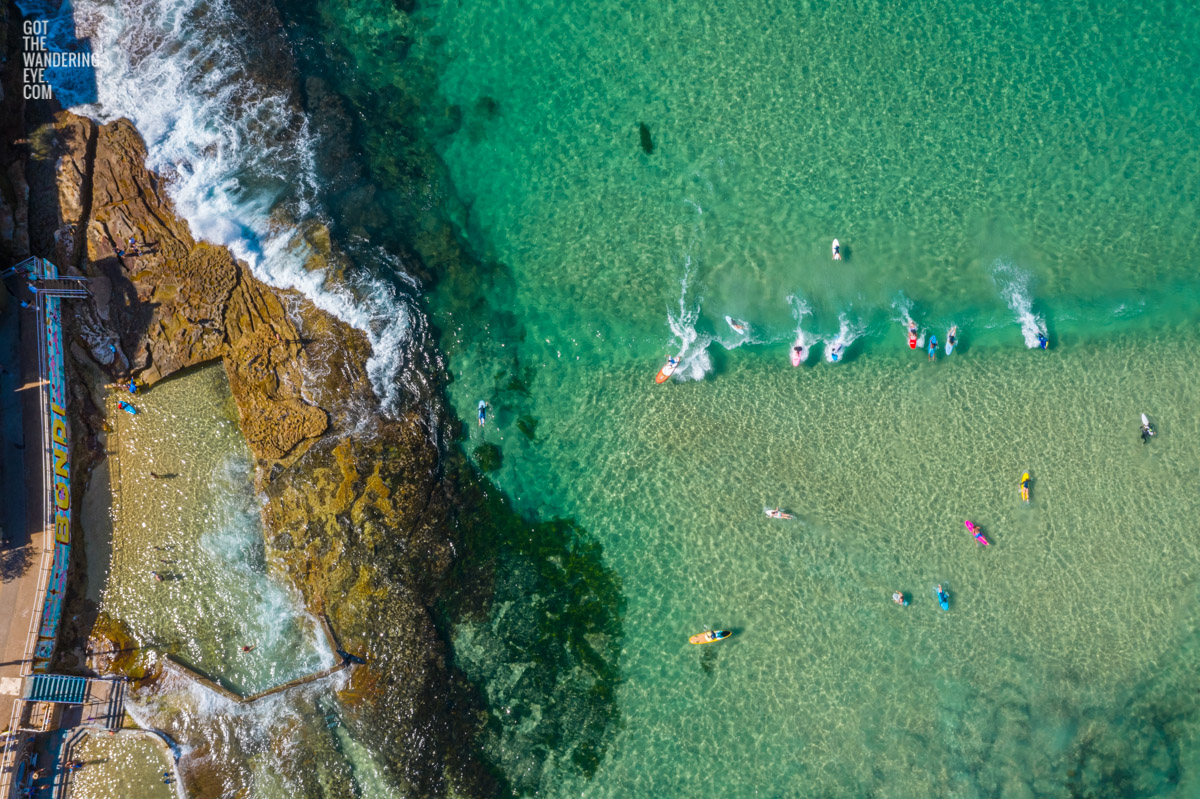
(1025,487)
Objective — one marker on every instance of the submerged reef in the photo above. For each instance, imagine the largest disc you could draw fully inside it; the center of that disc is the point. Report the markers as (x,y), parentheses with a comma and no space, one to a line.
(540,629)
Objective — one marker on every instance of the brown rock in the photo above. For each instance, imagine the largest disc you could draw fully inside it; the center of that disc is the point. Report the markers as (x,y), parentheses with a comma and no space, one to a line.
(76,138)
(175,303)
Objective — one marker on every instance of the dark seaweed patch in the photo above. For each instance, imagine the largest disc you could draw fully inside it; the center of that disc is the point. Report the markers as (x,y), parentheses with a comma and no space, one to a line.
(488,457)
(543,605)
(487,107)
(528,426)
(647,142)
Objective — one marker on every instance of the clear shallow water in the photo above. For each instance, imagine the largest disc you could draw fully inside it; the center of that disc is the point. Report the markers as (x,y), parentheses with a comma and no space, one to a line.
(125,765)
(1006,169)
(197,527)
(1067,633)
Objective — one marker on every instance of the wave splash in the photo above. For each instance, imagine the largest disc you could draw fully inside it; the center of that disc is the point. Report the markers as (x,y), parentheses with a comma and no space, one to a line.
(694,362)
(1013,283)
(848,331)
(224,127)
(800,309)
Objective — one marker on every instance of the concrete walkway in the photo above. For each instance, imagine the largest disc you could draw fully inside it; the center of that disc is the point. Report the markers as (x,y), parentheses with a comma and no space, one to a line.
(23,501)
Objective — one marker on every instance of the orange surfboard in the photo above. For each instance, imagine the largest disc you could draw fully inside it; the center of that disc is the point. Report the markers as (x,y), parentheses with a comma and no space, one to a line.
(709,636)
(665,373)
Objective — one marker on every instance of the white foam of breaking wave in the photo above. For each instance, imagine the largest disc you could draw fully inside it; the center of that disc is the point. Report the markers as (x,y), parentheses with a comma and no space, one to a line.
(253,741)
(800,309)
(847,332)
(903,305)
(237,155)
(694,362)
(1013,283)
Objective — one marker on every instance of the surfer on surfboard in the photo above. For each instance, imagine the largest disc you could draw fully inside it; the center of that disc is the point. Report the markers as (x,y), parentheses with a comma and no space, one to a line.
(667,370)
(797,355)
(912,334)
(777,513)
(739,327)
(1147,429)
(951,339)
(482,412)
(974,530)
(837,250)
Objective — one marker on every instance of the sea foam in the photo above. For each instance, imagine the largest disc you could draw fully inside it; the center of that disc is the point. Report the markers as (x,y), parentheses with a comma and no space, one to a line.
(693,346)
(1013,283)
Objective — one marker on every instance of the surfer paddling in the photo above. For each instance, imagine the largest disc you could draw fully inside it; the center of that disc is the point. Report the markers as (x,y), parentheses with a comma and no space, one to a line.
(974,530)
(1148,431)
(837,250)
(482,412)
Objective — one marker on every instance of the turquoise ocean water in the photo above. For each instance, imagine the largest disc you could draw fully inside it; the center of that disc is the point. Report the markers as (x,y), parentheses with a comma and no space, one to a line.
(1005,168)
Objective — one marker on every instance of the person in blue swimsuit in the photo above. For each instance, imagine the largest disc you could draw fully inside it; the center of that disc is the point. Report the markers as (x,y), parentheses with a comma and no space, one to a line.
(1042,342)
(933,348)
(482,412)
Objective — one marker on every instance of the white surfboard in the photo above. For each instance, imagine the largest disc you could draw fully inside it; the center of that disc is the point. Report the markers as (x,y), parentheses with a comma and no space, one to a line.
(741,328)
(837,250)
(950,338)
